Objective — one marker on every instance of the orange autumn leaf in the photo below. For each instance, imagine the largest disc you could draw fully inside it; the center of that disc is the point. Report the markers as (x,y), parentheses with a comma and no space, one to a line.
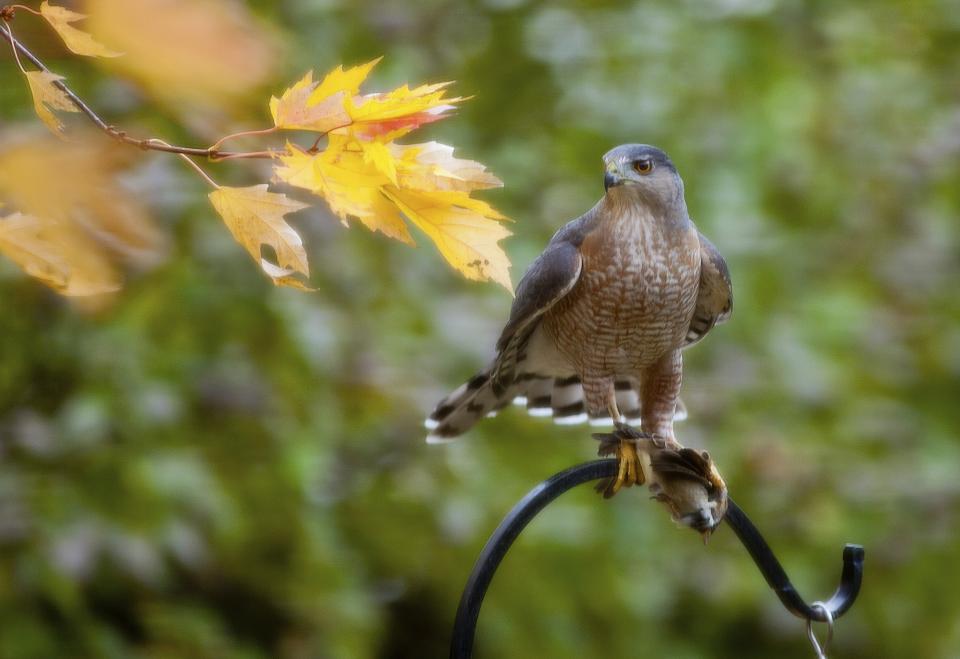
(76,40)
(255,217)
(47,97)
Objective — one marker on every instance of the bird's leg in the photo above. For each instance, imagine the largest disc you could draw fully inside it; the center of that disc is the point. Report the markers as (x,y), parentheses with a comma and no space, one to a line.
(623,444)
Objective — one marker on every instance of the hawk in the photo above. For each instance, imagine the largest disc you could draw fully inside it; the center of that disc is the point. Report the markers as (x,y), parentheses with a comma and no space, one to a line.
(602,316)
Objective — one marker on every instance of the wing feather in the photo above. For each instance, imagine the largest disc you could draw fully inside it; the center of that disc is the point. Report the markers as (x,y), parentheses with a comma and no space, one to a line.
(548,279)
(715,297)
(551,276)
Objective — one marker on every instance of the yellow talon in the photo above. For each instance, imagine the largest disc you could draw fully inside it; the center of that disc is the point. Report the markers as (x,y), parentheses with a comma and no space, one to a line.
(629,471)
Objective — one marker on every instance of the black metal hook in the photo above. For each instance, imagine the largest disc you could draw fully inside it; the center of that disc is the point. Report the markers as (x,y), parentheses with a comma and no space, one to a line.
(465,623)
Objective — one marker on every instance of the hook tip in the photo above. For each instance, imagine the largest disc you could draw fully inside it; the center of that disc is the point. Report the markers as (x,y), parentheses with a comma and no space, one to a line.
(853,553)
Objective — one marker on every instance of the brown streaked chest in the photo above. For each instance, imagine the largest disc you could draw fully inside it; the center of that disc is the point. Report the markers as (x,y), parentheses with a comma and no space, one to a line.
(635,296)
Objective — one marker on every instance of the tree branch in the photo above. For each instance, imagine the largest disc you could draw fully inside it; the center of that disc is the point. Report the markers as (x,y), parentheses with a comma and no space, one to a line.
(149,144)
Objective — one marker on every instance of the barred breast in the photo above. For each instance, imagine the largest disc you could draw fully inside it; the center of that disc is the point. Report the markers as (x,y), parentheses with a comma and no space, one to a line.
(634,300)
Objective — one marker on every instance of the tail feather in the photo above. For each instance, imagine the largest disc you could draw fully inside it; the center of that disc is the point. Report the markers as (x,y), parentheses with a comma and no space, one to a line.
(543,396)
(538,392)
(470,402)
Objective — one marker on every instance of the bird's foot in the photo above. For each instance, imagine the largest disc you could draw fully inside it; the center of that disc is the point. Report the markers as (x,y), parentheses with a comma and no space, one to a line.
(686,481)
(622,443)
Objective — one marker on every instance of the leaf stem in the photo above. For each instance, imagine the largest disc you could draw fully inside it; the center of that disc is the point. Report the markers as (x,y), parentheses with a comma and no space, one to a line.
(9,9)
(270,153)
(148,144)
(244,133)
(16,56)
(190,162)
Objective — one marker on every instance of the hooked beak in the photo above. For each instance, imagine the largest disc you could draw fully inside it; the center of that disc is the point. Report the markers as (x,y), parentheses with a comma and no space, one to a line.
(611,176)
(610,180)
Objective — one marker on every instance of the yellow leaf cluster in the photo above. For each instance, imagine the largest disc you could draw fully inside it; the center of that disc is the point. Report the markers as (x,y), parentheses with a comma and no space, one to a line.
(363,174)
(72,225)
(76,40)
(380,184)
(255,218)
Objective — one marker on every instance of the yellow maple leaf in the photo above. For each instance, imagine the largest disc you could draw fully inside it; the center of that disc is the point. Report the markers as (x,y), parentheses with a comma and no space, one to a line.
(48,97)
(292,110)
(296,168)
(431,166)
(393,114)
(76,40)
(309,105)
(350,184)
(379,155)
(462,229)
(347,81)
(57,254)
(255,217)
(335,105)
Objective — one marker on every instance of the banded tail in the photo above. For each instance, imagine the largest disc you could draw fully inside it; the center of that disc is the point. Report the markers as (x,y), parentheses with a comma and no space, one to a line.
(543,396)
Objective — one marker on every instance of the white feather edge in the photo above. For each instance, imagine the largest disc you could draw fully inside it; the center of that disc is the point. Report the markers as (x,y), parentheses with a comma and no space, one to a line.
(570,420)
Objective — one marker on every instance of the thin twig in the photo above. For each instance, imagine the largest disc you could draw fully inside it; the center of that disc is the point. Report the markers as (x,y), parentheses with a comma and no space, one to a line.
(116,133)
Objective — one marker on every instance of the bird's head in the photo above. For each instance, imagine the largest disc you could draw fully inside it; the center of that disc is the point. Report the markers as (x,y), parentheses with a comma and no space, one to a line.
(644,171)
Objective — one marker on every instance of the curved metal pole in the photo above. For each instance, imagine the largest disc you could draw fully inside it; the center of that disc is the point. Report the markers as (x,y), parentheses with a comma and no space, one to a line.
(465,624)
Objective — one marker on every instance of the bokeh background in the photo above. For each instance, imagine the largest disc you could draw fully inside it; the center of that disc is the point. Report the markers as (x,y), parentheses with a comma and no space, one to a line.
(209,466)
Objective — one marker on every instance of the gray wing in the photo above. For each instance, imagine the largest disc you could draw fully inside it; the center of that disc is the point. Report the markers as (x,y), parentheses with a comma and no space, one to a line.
(550,277)
(715,297)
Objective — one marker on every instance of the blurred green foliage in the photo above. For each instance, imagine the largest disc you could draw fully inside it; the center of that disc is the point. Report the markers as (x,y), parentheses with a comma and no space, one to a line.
(213,467)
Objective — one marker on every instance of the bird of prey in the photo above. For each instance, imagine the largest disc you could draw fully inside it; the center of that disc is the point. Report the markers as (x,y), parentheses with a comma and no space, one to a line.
(601,317)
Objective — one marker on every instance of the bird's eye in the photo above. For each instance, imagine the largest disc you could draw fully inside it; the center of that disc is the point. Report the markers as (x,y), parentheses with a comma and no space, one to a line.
(643,166)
